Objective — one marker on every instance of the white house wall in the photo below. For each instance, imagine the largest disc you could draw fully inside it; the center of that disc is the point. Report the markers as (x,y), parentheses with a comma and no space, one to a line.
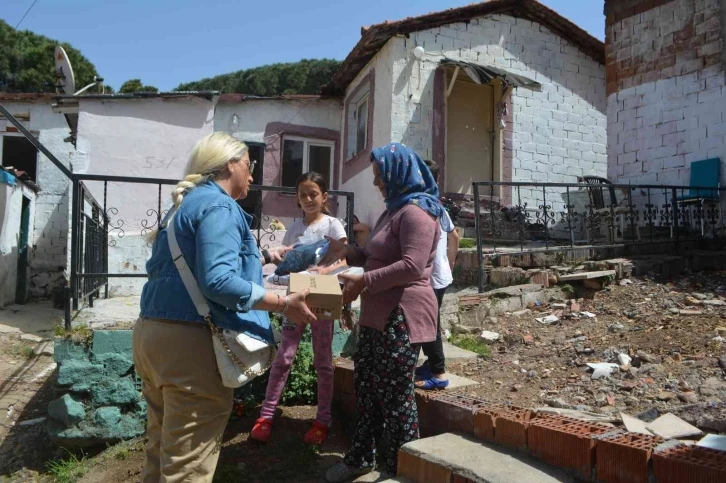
(149,138)
(254,115)
(368,202)
(558,134)
(11,203)
(49,255)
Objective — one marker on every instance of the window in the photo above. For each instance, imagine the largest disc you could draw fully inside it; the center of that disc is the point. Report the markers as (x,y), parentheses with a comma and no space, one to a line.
(19,153)
(361,132)
(301,155)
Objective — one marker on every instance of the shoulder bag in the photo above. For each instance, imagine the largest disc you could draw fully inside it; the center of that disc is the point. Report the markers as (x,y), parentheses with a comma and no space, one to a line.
(240,358)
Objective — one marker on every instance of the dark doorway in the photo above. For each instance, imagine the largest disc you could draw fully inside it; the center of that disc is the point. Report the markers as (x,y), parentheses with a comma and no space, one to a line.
(20,154)
(253,202)
(21,288)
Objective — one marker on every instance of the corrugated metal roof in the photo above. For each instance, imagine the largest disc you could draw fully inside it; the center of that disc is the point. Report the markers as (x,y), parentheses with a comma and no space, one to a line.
(483,74)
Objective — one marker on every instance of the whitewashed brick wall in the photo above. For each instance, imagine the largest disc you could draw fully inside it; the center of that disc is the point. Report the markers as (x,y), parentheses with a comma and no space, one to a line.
(50,241)
(657,129)
(559,133)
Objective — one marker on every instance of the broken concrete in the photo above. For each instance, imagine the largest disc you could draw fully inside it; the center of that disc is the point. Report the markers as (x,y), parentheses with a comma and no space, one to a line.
(670,426)
(587,275)
(476,461)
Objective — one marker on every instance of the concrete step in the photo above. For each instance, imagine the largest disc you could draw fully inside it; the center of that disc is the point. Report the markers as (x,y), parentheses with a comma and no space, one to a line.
(442,458)
(453,354)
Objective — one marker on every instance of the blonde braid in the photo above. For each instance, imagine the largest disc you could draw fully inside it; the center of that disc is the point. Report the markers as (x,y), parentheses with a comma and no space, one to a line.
(189,182)
(207,160)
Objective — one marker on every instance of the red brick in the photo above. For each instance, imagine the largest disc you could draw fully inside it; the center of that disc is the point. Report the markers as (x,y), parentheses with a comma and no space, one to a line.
(624,458)
(565,442)
(452,412)
(689,464)
(510,428)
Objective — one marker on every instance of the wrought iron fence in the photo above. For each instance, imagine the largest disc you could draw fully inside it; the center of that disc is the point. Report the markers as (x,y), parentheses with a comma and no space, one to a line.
(512,218)
(96,227)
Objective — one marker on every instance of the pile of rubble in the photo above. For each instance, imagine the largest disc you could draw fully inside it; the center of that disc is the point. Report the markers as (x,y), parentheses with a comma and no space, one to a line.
(636,347)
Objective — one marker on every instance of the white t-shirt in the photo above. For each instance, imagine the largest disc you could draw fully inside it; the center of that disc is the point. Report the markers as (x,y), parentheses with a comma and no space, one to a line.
(327,226)
(441,276)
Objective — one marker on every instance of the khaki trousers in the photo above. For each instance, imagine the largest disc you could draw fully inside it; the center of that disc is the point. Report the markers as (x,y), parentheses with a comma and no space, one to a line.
(188,407)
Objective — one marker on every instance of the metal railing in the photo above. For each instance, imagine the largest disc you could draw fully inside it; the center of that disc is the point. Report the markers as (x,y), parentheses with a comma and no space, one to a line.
(89,253)
(521,217)
(96,226)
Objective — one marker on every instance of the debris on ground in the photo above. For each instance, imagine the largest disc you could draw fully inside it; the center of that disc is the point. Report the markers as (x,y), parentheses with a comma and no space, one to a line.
(658,356)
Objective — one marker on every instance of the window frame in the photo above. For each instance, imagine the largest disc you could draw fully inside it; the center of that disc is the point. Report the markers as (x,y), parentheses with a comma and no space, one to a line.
(363,100)
(4,134)
(307,142)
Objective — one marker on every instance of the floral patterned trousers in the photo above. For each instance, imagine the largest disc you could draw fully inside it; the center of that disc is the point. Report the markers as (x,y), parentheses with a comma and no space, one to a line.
(385,399)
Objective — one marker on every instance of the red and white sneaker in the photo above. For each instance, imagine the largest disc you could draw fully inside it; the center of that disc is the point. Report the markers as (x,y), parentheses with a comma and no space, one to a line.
(262,430)
(316,434)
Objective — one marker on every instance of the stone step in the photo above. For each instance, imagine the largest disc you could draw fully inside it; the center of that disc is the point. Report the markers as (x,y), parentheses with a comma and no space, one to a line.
(453,354)
(443,458)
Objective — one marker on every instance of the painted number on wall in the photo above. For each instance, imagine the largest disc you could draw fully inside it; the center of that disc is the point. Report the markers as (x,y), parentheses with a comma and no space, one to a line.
(158,163)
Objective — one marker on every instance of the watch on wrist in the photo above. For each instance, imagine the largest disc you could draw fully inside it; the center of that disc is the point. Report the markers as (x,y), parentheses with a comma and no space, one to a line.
(266,256)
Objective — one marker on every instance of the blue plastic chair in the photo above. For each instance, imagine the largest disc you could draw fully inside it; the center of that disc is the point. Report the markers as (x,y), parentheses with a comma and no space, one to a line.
(704,174)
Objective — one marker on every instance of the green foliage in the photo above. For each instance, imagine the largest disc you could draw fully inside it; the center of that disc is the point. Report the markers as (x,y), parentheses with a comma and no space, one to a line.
(80,333)
(471,343)
(467,243)
(302,384)
(68,470)
(304,77)
(135,85)
(27,64)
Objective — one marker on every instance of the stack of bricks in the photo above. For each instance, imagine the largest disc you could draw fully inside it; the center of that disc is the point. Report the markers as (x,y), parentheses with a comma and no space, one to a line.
(344,387)
(689,464)
(565,443)
(624,457)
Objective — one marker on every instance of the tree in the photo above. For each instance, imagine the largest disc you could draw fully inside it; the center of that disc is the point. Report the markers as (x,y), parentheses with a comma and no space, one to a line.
(304,77)
(27,63)
(135,85)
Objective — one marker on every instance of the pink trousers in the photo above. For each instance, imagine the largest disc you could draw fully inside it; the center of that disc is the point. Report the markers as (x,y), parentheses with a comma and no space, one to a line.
(322,332)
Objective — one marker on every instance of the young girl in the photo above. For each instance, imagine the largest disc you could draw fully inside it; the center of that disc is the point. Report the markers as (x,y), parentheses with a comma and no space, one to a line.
(311,192)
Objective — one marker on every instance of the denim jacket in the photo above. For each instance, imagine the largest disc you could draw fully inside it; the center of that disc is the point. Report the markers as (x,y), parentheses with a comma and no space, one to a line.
(215,238)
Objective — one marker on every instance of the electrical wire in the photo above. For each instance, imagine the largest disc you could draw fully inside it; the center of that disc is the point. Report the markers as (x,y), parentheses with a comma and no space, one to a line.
(26,14)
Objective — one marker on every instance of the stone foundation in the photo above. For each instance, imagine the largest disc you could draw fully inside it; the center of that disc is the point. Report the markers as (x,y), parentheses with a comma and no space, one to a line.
(102,401)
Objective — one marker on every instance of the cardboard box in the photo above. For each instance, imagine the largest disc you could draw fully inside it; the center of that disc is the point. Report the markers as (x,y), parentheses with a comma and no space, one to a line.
(325,299)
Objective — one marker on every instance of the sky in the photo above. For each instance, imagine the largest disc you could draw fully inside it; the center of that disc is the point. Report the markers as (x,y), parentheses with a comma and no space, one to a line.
(166,42)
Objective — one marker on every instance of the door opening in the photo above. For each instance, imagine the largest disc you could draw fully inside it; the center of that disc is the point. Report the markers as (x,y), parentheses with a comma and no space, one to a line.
(253,202)
(21,288)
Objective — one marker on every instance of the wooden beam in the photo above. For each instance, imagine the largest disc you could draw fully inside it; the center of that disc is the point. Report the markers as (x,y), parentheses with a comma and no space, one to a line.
(453,81)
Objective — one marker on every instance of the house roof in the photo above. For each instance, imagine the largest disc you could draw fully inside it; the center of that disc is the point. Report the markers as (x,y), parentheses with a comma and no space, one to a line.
(284,97)
(144,95)
(375,37)
(27,96)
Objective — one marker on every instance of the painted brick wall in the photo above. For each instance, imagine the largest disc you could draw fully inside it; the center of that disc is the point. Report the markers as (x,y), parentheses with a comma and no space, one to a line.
(50,242)
(663,117)
(558,134)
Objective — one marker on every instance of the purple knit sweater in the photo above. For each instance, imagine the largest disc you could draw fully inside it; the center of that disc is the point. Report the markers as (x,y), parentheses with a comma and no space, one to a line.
(399,257)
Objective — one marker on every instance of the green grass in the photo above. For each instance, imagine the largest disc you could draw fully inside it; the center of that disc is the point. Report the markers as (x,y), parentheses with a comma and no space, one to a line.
(471,343)
(80,333)
(467,243)
(22,351)
(68,470)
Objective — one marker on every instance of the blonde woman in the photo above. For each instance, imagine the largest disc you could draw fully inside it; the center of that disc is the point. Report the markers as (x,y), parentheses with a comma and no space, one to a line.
(188,406)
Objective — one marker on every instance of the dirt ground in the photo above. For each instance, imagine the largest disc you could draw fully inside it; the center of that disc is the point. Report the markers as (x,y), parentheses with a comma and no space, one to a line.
(286,458)
(675,357)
